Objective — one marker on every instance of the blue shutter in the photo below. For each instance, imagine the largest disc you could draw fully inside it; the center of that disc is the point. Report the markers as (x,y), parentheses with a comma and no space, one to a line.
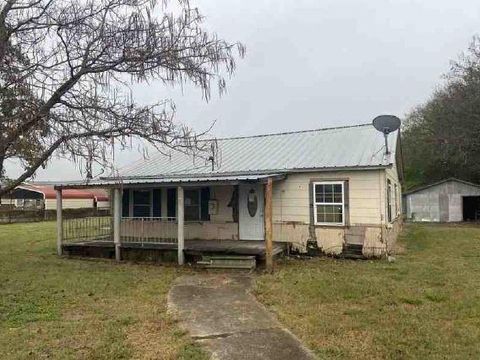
(204,199)
(157,202)
(126,203)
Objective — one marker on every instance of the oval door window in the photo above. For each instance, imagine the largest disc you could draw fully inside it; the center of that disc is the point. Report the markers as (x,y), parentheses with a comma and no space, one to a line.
(252,203)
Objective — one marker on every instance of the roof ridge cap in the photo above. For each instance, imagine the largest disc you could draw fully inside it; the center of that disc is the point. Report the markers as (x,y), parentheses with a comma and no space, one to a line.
(288,132)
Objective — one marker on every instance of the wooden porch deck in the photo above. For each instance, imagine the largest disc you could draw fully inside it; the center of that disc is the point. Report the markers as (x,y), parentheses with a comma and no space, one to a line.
(193,248)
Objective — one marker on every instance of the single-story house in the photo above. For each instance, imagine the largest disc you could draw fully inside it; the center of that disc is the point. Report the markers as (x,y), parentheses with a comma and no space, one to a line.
(43,197)
(449,200)
(326,189)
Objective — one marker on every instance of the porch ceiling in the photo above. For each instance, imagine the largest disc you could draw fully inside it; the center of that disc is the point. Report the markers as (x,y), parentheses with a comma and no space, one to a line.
(169,181)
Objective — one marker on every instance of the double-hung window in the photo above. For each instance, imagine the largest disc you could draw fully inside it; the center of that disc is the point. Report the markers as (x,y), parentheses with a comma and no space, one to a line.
(192,205)
(148,203)
(329,203)
(142,203)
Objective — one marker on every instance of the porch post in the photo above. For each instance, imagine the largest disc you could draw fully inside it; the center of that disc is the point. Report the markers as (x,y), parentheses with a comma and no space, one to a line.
(117,215)
(59,222)
(268,226)
(180,225)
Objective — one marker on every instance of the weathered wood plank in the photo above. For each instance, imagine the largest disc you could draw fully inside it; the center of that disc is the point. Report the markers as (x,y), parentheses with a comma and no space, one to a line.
(268,225)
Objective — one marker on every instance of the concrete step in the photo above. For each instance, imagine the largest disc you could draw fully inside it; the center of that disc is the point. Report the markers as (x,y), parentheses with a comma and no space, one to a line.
(228,262)
(353,251)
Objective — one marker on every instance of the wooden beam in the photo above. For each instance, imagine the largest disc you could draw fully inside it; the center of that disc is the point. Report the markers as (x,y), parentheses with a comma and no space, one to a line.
(117,217)
(180,225)
(59,222)
(268,226)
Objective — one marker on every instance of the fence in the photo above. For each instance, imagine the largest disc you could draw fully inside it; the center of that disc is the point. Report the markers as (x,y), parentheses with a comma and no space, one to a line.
(158,230)
(98,228)
(13,215)
(154,230)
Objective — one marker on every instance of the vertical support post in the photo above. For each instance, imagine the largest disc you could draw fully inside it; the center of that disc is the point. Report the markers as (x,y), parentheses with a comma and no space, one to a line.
(117,216)
(268,226)
(59,222)
(180,225)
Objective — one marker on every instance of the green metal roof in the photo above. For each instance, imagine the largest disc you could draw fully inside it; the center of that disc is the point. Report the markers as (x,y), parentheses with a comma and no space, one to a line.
(359,146)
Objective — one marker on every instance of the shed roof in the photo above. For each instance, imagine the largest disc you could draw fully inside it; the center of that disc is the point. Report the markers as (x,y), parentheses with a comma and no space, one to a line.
(359,146)
(195,180)
(49,192)
(420,188)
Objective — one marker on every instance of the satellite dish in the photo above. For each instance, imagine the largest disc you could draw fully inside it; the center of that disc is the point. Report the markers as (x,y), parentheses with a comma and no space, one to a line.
(386,124)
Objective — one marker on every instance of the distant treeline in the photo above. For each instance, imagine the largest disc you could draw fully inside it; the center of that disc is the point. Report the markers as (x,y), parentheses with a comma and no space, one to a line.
(441,138)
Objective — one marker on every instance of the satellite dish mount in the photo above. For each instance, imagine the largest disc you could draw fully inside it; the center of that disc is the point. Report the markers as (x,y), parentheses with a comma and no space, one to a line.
(386,124)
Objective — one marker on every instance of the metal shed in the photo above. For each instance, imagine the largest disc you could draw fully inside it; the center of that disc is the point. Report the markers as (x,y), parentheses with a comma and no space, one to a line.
(449,200)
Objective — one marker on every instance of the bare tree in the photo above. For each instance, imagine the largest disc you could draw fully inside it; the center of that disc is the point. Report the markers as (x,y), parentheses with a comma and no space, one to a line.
(65,65)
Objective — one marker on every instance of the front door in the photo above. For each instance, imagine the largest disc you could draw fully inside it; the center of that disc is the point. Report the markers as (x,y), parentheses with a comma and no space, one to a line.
(250,210)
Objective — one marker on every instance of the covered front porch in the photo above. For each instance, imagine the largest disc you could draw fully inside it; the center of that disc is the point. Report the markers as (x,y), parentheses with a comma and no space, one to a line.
(177,220)
(194,250)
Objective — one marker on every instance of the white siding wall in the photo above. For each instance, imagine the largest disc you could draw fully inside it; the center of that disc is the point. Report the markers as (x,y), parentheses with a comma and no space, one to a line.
(291,208)
(221,225)
(7,201)
(292,218)
(103,204)
(51,204)
(367,211)
(222,194)
(291,196)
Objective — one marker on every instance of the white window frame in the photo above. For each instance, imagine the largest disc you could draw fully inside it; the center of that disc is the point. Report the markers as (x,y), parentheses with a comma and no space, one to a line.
(394,205)
(389,201)
(315,203)
(397,201)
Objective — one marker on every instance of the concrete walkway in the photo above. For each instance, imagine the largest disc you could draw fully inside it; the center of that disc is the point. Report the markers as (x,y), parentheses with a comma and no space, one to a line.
(219,312)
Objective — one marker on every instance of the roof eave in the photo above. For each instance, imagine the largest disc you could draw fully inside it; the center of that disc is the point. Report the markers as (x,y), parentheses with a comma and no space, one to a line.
(256,172)
(201,181)
(424,187)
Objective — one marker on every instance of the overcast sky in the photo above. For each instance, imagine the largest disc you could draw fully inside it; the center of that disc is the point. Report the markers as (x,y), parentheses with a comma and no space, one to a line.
(317,63)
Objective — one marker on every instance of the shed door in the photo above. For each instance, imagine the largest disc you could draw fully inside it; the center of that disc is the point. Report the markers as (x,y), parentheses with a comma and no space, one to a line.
(250,211)
(443,207)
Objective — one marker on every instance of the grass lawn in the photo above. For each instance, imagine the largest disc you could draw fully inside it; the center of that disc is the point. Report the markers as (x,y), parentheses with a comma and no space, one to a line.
(59,308)
(426,305)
